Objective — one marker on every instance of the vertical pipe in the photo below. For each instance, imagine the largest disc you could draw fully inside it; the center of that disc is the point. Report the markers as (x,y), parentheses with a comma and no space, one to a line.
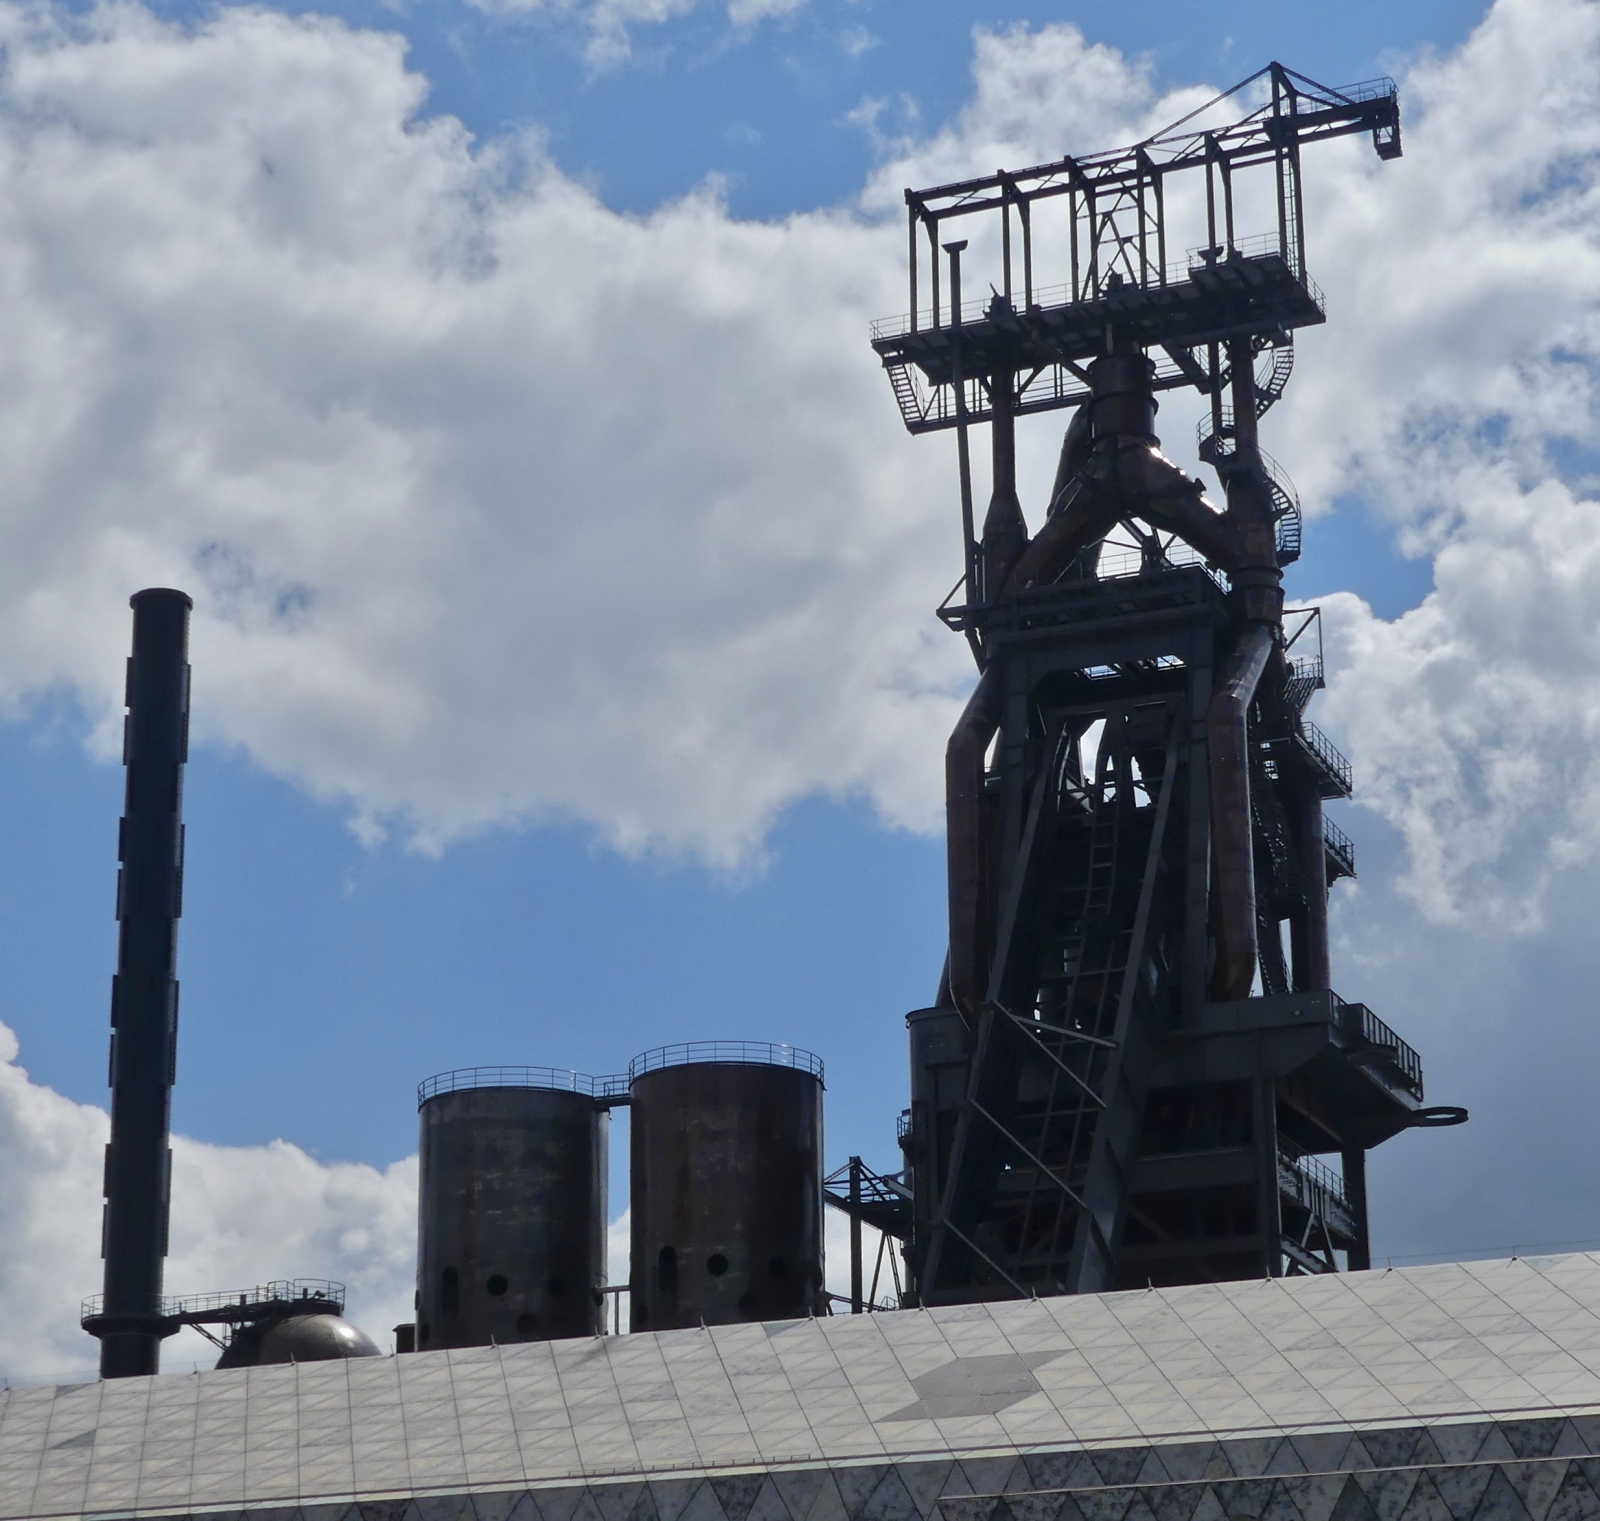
(1093,289)
(1072,228)
(1278,167)
(144,993)
(1245,433)
(966,844)
(1025,213)
(1144,242)
(1005,533)
(1211,201)
(1299,209)
(911,227)
(1005,240)
(958,382)
(1161,227)
(856,1306)
(1233,864)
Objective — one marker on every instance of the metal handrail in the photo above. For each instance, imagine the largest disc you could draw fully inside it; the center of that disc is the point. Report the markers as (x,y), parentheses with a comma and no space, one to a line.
(550,1079)
(1327,752)
(731,1053)
(1339,845)
(1359,1023)
(1306,668)
(1253,247)
(1318,1173)
(277,1291)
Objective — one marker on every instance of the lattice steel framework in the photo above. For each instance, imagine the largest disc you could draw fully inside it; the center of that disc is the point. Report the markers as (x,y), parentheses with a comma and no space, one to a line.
(1126,1077)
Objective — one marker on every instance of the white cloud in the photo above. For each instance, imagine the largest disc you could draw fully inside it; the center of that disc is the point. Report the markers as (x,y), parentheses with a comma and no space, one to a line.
(496,504)
(500,506)
(240,1216)
(1454,389)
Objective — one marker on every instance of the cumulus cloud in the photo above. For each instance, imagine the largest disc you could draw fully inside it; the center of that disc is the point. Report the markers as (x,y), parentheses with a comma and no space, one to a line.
(500,506)
(496,504)
(1453,391)
(240,1216)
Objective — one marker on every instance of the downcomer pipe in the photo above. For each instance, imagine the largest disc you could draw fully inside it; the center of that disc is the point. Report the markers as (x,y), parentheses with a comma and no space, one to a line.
(144,992)
(966,844)
(1233,862)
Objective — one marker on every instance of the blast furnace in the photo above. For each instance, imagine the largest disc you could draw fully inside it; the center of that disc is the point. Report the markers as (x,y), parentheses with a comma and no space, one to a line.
(1135,1061)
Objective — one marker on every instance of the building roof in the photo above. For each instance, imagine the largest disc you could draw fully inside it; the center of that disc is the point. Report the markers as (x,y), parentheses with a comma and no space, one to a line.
(1497,1342)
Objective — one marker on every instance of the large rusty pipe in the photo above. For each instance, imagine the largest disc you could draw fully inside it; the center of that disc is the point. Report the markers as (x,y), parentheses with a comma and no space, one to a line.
(970,907)
(1083,516)
(1005,532)
(1228,758)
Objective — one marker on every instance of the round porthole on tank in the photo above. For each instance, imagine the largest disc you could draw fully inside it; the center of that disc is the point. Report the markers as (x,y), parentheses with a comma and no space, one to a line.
(716,1264)
(497,1284)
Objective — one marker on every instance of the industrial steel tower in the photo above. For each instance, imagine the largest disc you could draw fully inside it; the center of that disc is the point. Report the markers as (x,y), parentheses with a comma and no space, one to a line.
(1127,1078)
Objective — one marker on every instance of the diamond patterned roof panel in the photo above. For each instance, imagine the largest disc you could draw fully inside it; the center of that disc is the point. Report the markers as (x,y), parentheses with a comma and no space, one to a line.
(1186,1367)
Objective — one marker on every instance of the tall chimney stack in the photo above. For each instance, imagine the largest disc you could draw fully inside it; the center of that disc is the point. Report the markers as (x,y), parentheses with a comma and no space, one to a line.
(144,993)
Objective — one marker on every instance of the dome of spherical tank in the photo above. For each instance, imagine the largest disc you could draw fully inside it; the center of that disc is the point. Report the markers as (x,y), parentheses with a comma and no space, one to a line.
(299,1339)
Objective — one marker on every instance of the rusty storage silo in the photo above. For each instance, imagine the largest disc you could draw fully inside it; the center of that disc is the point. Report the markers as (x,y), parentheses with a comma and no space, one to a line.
(726,1186)
(511,1228)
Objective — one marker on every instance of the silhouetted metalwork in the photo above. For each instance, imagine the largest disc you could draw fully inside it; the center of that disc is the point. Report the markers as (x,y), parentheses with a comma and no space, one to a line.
(1126,1078)
(287,1320)
(726,1180)
(882,1202)
(284,1320)
(144,992)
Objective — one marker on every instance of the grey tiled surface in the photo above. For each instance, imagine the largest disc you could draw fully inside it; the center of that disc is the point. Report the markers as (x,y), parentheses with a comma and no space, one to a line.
(1175,1405)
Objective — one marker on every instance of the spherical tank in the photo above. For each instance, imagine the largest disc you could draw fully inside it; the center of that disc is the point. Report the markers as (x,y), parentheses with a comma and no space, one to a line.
(511,1211)
(297,1339)
(726,1185)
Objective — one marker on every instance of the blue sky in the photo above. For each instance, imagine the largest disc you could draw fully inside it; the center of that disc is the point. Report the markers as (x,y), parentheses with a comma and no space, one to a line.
(770,106)
(551,710)
(323,977)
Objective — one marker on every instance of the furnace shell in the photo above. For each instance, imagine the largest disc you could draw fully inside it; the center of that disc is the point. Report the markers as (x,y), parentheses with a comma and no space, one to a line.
(726,1143)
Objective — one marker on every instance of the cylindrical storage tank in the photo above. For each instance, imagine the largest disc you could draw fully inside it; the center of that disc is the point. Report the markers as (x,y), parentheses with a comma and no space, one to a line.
(511,1216)
(726,1186)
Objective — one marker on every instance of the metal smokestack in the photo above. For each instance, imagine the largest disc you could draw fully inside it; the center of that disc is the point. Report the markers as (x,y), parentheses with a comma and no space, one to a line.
(144,993)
